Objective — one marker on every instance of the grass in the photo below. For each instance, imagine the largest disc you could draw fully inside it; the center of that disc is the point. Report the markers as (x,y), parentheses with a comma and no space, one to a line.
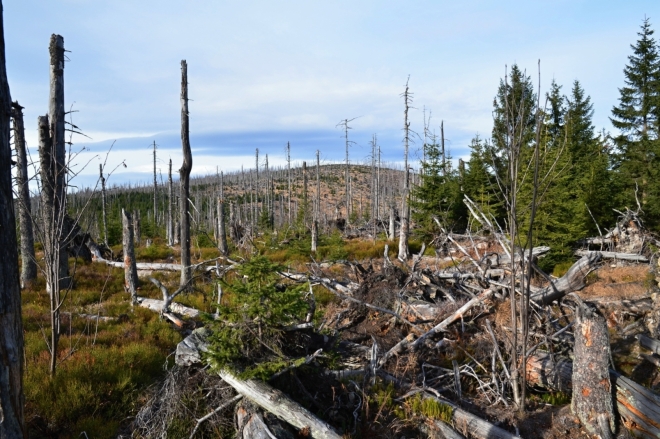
(102,369)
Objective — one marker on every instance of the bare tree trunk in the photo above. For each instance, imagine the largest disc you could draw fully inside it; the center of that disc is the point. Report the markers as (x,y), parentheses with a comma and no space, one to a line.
(57,131)
(155,191)
(28,261)
(288,165)
(11,325)
(170,203)
(222,232)
(592,389)
(315,234)
(137,227)
(403,231)
(391,230)
(103,205)
(130,268)
(305,201)
(184,172)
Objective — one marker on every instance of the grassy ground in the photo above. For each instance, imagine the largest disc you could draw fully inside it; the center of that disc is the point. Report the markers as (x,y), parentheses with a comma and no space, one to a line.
(104,368)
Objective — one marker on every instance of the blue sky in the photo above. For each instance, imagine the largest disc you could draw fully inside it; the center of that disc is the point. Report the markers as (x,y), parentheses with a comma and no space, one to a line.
(264,72)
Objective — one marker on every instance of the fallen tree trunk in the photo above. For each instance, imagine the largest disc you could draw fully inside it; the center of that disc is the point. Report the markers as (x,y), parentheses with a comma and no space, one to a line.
(615,255)
(470,424)
(638,406)
(277,403)
(157,305)
(573,280)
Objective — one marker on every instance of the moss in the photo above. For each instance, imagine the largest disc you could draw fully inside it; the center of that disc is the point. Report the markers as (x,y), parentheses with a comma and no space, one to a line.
(431,408)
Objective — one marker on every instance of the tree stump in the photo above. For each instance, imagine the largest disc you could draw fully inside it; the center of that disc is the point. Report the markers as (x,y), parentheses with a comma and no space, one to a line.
(592,389)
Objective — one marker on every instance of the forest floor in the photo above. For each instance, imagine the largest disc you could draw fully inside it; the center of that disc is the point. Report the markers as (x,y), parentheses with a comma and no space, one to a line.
(107,369)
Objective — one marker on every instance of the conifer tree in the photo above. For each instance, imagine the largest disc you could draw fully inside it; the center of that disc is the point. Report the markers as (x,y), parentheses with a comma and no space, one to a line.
(438,194)
(479,183)
(636,118)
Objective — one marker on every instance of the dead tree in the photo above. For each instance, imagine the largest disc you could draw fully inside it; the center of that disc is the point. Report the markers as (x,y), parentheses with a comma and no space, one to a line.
(288,167)
(28,262)
(403,231)
(184,173)
(130,269)
(155,189)
(222,232)
(11,325)
(103,205)
(170,202)
(592,389)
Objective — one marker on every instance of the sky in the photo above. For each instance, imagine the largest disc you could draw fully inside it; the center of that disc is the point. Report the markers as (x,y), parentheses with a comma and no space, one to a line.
(264,73)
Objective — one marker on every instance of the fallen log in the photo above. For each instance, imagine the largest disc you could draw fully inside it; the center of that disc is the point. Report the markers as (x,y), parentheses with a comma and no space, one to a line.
(615,255)
(157,306)
(408,343)
(638,406)
(470,424)
(649,343)
(277,403)
(573,280)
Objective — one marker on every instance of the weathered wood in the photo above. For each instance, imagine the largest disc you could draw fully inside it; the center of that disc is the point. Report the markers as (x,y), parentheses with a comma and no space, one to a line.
(615,255)
(440,430)
(170,204)
(157,305)
(638,406)
(130,269)
(457,315)
(277,403)
(649,343)
(573,280)
(592,389)
(103,205)
(472,425)
(222,229)
(184,180)
(11,325)
(28,261)
(251,424)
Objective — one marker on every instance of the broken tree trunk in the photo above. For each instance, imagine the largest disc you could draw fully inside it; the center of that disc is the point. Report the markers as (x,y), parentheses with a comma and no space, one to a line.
(638,406)
(592,390)
(130,269)
(28,261)
(277,403)
(11,324)
(184,181)
(573,280)
(222,230)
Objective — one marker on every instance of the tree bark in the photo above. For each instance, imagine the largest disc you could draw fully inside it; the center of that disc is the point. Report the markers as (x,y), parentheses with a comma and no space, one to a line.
(57,163)
(11,325)
(184,173)
(277,403)
(592,390)
(405,213)
(638,406)
(28,261)
(103,205)
(222,229)
(170,202)
(130,269)
(573,280)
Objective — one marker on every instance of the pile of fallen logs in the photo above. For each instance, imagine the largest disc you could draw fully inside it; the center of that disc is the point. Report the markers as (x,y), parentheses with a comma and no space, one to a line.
(435,336)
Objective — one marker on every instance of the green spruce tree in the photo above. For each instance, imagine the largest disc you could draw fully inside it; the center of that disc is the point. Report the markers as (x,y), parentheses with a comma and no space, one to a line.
(636,118)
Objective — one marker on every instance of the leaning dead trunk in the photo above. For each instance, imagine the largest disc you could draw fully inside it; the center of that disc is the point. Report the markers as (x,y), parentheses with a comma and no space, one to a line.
(573,280)
(28,261)
(592,390)
(11,325)
(184,172)
(130,269)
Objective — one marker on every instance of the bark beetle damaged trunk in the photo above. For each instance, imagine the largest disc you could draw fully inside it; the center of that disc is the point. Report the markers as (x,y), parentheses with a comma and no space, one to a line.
(592,389)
